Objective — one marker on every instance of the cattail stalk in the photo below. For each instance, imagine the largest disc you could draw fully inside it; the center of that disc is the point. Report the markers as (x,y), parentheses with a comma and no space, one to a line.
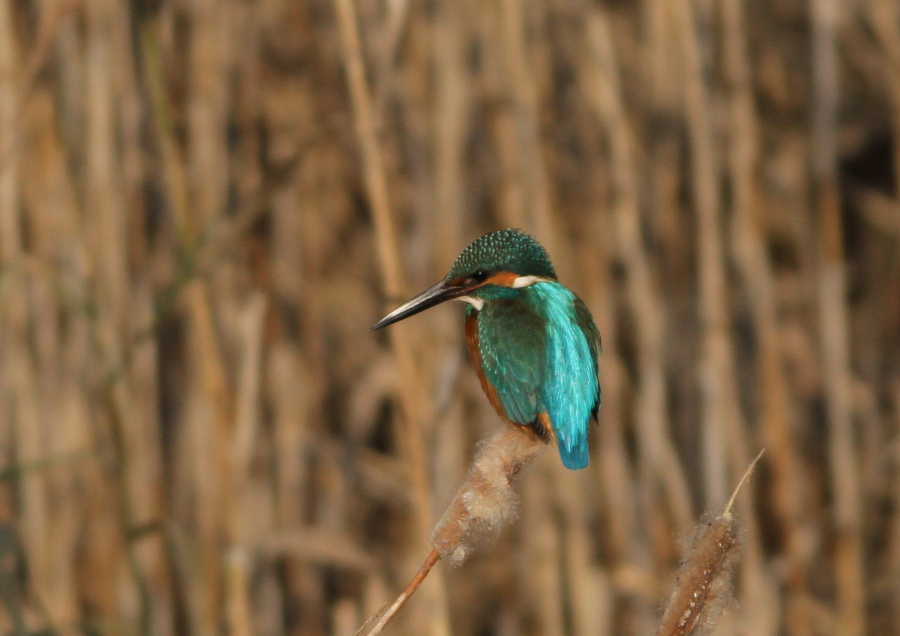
(377,623)
(481,506)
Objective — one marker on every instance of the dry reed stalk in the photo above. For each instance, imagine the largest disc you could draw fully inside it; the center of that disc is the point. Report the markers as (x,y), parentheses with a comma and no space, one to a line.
(587,599)
(511,207)
(26,435)
(10,240)
(662,68)
(119,301)
(43,197)
(750,257)
(833,325)
(449,121)
(289,402)
(345,616)
(542,542)
(51,19)
(522,89)
(703,586)
(371,156)
(880,211)
(293,390)
(392,277)
(248,385)
(622,531)
(724,429)
(570,591)
(392,273)
(141,430)
(202,577)
(659,464)
(172,159)
(715,368)
(107,248)
(195,199)
(663,497)
(242,451)
(238,611)
(212,49)
(10,247)
(894,529)
(617,480)
(752,262)
(32,493)
(305,251)
(212,425)
(588,593)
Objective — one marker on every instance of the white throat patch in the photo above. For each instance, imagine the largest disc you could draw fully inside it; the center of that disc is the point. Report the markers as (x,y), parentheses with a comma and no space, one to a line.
(477,303)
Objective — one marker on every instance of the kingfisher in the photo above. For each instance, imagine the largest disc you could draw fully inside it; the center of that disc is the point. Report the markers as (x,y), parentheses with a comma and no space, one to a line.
(532,341)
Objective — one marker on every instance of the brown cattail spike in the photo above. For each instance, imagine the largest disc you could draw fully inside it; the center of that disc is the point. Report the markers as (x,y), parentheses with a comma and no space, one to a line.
(703,586)
(704,583)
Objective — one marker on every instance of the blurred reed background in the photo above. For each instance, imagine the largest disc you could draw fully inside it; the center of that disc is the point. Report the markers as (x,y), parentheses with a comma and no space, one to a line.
(205,204)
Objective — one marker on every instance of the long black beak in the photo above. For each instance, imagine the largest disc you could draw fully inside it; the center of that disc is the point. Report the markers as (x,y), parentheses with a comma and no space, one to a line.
(432,296)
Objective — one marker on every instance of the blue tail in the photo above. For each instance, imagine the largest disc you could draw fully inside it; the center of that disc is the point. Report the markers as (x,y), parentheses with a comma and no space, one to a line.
(574,456)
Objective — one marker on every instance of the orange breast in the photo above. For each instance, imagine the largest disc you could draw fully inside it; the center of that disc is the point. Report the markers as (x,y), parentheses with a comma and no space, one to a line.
(475,353)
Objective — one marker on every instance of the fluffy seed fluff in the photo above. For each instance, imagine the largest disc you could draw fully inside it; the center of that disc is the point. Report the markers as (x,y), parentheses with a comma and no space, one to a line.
(486,500)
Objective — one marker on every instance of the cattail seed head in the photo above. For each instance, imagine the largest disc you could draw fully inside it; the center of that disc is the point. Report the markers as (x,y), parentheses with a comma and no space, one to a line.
(704,583)
(486,500)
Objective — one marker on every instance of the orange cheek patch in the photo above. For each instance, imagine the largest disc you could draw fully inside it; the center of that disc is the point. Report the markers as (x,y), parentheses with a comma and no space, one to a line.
(502,279)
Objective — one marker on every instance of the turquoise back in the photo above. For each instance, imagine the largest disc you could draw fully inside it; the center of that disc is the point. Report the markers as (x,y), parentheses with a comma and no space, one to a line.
(539,351)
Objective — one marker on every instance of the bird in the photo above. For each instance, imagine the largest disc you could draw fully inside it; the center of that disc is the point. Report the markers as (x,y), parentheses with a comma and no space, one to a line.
(533,342)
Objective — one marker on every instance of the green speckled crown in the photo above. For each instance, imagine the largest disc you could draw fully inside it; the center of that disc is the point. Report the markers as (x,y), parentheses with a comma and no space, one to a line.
(504,251)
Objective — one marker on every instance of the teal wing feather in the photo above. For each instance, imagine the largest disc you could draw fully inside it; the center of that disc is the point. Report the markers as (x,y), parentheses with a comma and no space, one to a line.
(512,340)
(570,392)
(585,321)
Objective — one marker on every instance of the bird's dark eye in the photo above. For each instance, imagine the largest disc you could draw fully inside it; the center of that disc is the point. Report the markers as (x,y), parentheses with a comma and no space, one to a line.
(479,276)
